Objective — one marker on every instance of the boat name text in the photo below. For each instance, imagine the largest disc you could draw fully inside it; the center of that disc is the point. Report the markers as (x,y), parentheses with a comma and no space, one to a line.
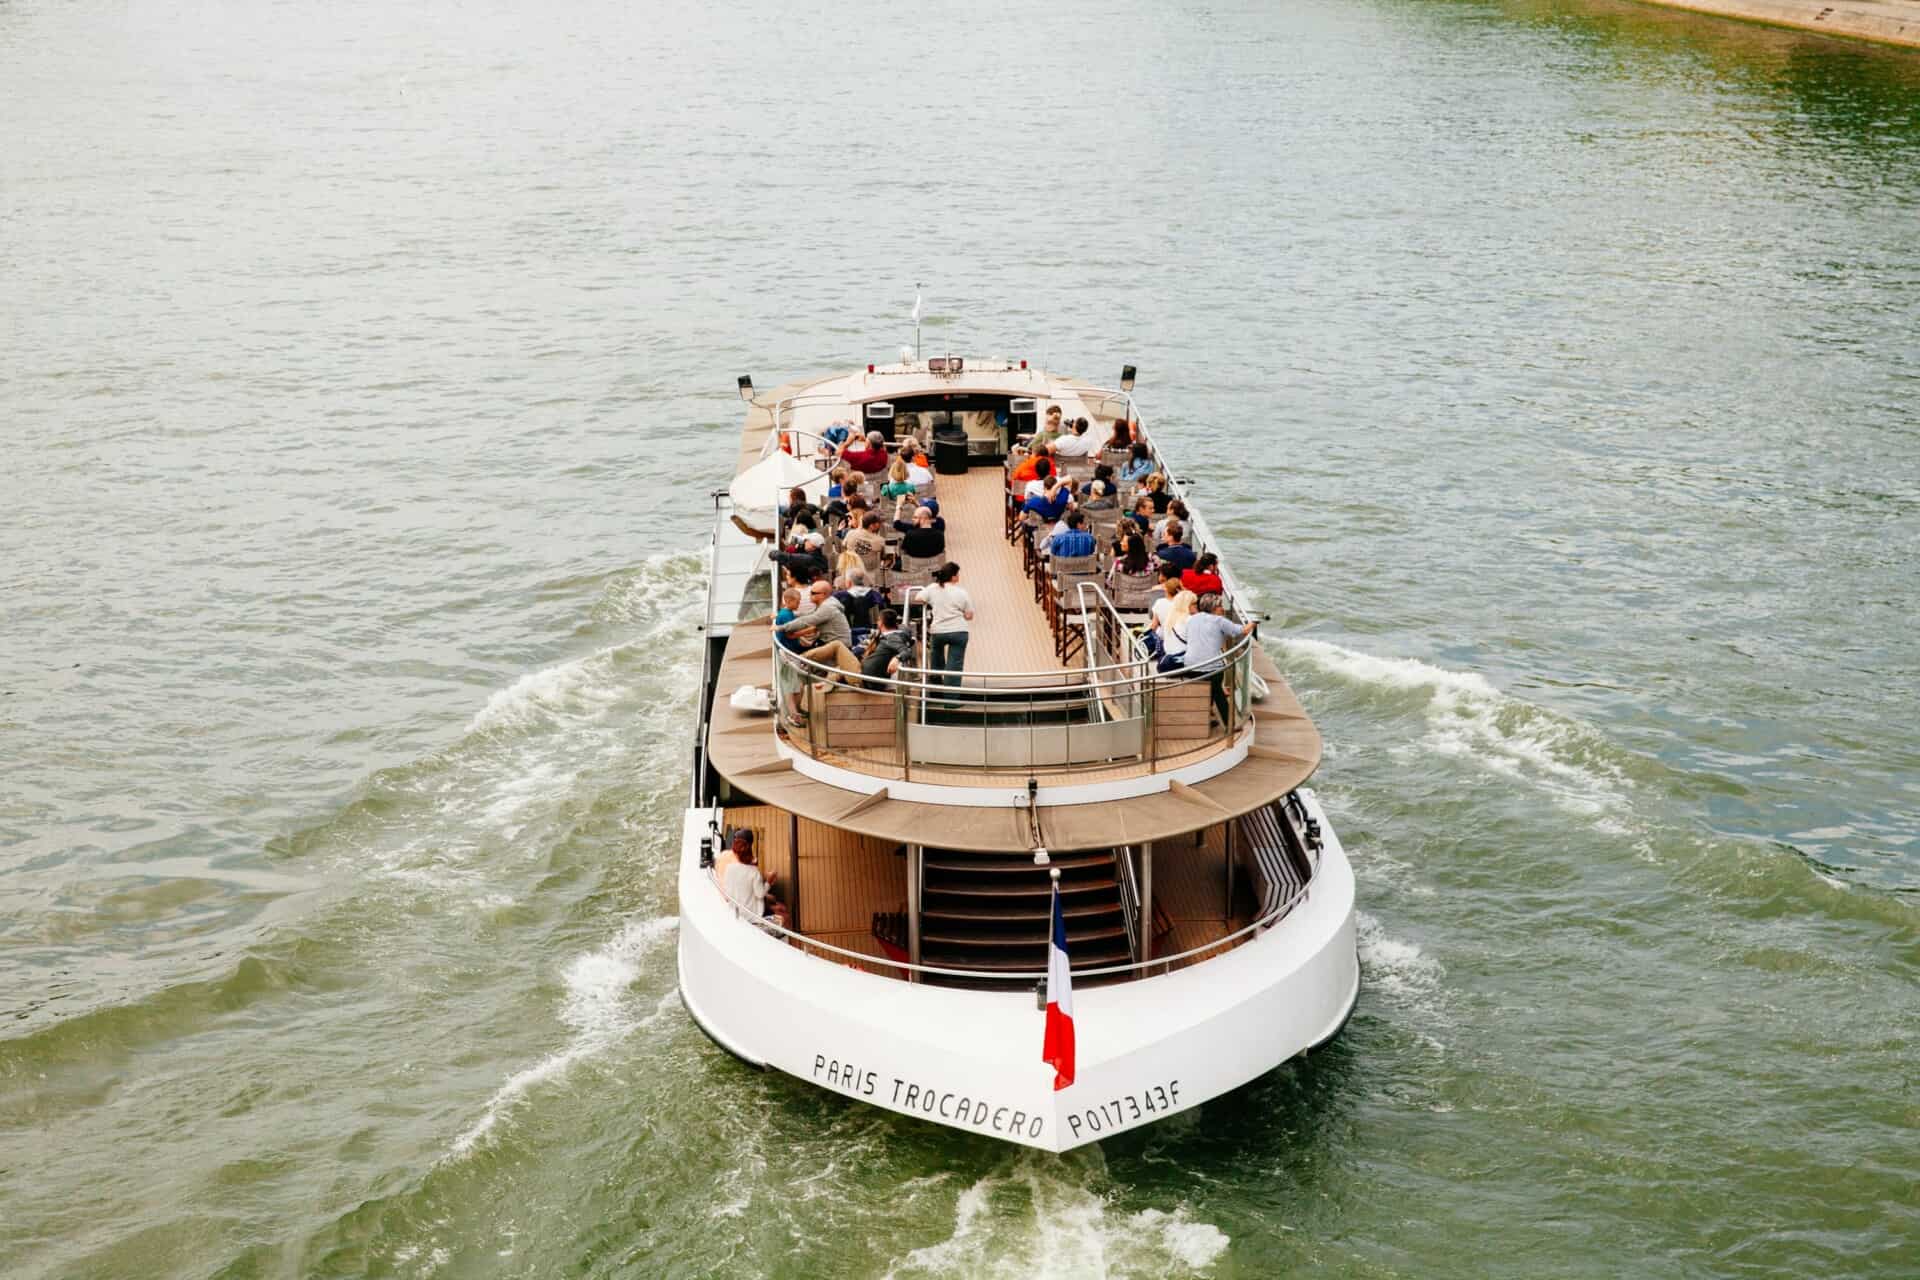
(906,1095)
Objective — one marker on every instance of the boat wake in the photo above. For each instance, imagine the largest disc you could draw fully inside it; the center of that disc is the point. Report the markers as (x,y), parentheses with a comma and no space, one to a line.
(1469,719)
(598,1009)
(1031,1222)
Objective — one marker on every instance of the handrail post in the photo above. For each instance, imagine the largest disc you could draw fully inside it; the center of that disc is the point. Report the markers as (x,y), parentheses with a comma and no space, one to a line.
(916,870)
(1146,904)
(900,731)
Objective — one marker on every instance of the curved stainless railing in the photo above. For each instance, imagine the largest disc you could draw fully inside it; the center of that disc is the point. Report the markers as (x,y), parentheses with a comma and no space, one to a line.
(1084,719)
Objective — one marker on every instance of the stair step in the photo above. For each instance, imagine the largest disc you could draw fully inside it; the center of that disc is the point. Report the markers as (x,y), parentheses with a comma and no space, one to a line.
(1020,911)
(1037,942)
(998,864)
(1021,890)
(1098,959)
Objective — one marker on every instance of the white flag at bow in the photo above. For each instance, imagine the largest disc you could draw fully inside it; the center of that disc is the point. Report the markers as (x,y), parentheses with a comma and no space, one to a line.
(916,308)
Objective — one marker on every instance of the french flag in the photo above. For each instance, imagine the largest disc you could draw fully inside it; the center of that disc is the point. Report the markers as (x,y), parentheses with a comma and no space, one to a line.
(1057,1051)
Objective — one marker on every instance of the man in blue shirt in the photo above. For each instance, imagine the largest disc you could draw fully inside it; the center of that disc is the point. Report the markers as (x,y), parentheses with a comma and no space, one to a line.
(1051,502)
(1172,551)
(1208,637)
(1069,538)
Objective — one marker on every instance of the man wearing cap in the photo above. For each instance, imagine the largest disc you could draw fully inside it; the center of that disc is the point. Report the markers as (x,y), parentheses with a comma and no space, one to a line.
(806,560)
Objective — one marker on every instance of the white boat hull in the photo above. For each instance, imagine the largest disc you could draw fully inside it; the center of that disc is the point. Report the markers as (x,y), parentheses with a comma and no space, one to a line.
(971,1059)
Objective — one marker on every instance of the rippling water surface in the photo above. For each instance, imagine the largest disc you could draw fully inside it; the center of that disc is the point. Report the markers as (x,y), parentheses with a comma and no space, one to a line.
(1550,370)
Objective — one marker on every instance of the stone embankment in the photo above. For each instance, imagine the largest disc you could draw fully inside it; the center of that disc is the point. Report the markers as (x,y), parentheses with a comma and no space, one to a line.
(1885,21)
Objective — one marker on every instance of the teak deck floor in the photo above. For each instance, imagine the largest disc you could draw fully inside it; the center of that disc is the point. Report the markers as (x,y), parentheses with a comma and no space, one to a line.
(1009,633)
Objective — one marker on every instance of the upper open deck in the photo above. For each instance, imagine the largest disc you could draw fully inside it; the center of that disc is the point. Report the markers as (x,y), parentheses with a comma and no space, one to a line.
(1060,709)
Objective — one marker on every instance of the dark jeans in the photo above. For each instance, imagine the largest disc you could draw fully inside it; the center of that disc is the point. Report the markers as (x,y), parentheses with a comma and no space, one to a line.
(947,651)
(1217,688)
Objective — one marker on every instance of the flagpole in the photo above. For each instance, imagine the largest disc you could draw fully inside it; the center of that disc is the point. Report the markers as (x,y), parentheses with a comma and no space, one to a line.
(916,322)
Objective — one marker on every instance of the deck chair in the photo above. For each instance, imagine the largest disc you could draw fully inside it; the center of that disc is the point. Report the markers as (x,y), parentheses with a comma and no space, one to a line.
(911,571)
(1133,594)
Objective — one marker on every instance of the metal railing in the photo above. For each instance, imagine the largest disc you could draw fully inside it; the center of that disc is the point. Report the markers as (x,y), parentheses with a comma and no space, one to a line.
(1084,719)
(1137,967)
(1129,899)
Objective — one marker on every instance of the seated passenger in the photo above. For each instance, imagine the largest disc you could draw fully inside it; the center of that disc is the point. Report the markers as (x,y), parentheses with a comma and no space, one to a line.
(858,600)
(1100,492)
(1172,550)
(897,485)
(1169,622)
(832,633)
(1079,443)
(1051,502)
(888,648)
(799,509)
(1121,440)
(1142,515)
(918,472)
(805,559)
(1070,537)
(1042,474)
(867,541)
(838,433)
(1139,466)
(742,838)
(749,891)
(871,457)
(925,536)
(1130,555)
(1157,491)
(1204,577)
(1028,468)
(1176,513)
(1049,428)
(836,486)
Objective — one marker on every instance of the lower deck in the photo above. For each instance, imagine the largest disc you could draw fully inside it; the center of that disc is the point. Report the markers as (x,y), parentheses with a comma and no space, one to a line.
(983,912)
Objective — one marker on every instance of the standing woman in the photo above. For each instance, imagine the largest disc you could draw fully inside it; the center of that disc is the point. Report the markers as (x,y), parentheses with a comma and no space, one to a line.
(949,610)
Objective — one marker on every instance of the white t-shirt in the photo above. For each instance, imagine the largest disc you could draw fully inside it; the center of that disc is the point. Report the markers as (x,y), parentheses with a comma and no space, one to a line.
(1161,611)
(746,888)
(947,608)
(1073,446)
(917,474)
(1036,489)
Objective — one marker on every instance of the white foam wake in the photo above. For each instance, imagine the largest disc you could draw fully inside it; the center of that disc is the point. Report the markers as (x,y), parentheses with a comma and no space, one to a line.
(596,1006)
(1064,1231)
(1469,719)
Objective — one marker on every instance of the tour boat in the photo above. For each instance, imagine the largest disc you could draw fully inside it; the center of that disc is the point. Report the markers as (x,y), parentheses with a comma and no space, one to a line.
(1051,902)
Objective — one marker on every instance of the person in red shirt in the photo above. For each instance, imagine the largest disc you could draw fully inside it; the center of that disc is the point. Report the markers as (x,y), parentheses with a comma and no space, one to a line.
(870,458)
(1204,576)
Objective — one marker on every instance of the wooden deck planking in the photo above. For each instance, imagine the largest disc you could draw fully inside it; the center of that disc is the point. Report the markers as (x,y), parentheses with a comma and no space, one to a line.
(1009,632)
(844,878)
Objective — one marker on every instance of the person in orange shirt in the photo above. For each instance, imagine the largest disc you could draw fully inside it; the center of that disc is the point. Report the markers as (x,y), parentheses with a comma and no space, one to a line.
(1029,469)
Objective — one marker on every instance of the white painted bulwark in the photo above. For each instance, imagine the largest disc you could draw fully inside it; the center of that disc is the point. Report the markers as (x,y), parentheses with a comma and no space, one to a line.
(971,1059)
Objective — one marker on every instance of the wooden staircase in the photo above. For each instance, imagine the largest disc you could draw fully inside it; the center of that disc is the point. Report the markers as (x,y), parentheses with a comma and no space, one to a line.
(990,911)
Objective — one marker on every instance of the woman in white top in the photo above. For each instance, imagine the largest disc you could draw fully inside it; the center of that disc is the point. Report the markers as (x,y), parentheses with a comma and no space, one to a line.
(917,472)
(949,610)
(751,891)
(1170,614)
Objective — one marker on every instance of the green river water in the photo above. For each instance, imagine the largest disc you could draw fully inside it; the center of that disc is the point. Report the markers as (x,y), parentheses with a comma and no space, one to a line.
(1549,369)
